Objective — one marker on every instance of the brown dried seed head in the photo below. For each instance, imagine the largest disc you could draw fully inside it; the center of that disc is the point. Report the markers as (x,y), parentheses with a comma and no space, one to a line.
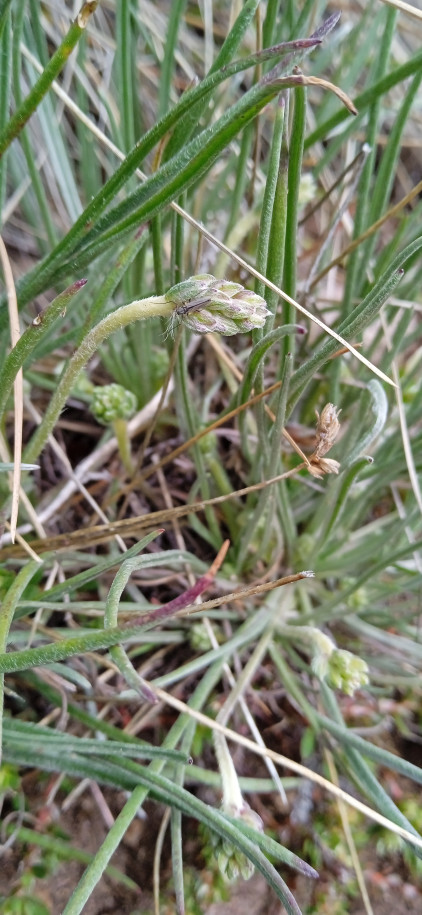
(327,430)
(321,466)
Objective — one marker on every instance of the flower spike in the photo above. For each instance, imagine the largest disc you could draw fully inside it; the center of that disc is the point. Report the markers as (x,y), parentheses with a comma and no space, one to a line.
(207,305)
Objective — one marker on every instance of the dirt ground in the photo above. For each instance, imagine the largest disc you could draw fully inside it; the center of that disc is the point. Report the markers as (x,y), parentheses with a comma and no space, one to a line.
(390,888)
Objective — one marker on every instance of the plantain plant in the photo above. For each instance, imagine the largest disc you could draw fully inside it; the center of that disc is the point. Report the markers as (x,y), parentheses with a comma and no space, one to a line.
(209,332)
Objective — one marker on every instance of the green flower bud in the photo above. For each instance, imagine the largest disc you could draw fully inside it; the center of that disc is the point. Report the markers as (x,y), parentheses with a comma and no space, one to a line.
(207,305)
(231,861)
(111,402)
(199,638)
(307,188)
(359,600)
(347,672)
(340,669)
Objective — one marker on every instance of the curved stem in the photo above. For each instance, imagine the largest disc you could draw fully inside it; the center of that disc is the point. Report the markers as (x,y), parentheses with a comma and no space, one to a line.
(139,310)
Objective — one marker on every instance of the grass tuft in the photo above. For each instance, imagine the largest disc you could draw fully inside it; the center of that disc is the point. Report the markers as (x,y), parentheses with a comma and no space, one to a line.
(209,379)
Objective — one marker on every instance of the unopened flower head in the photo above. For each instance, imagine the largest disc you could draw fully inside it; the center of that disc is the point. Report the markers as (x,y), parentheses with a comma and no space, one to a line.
(232,862)
(111,402)
(307,188)
(339,668)
(319,468)
(347,672)
(327,430)
(207,305)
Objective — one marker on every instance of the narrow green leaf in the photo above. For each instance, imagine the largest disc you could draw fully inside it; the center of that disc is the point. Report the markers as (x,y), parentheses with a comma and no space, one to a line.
(43,84)
(168,62)
(45,273)
(25,346)
(347,738)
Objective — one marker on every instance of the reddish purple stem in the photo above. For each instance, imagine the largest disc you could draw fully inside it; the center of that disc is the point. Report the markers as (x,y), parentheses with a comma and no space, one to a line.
(187,597)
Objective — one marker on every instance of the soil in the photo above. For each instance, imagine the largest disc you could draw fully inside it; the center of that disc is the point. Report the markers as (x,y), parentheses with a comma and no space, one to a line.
(389,885)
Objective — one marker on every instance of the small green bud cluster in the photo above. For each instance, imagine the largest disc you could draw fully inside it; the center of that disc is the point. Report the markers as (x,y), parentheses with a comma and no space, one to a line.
(207,305)
(347,672)
(339,668)
(199,638)
(308,189)
(111,402)
(232,863)
(359,599)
